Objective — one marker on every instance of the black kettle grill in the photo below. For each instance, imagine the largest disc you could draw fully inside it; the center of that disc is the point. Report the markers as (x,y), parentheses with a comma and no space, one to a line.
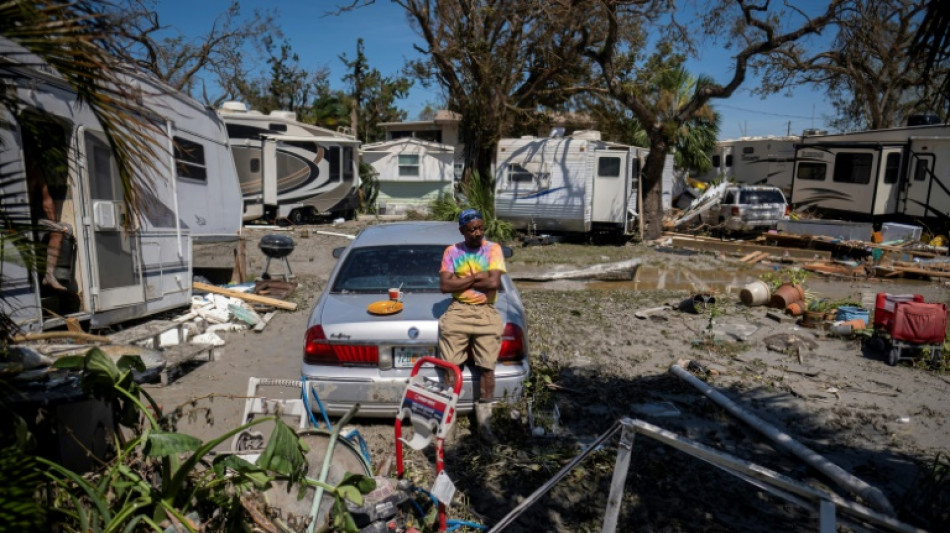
(277,247)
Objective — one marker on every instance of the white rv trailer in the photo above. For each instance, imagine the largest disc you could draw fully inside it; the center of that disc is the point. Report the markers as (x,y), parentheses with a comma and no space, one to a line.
(872,175)
(754,161)
(111,273)
(573,184)
(289,169)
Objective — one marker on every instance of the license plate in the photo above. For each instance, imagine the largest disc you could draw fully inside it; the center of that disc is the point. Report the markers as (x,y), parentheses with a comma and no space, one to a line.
(406,356)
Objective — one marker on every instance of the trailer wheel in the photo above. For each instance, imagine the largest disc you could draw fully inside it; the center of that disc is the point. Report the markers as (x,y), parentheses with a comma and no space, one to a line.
(296,217)
(877,345)
(893,355)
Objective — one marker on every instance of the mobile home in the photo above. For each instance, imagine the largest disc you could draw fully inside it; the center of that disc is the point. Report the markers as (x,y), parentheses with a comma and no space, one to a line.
(576,184)
(754,161)
(109,268)
(289,169)
(877,174)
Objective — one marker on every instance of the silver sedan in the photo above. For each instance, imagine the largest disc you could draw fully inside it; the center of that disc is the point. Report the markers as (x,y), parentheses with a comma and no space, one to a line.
(352,355)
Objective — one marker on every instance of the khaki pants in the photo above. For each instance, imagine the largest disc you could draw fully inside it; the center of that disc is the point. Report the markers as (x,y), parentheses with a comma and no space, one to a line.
(477,325)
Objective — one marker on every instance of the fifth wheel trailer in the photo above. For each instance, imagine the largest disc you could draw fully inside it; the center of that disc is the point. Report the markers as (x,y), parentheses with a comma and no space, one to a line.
(289,169)
(892,174)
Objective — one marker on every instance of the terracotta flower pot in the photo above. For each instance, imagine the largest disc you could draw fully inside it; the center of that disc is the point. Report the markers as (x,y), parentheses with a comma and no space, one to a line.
(785,294)
(795,308)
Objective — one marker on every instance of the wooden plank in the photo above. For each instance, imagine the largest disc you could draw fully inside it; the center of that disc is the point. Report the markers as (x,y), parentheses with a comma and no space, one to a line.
(748,257)
(746,247)
(264,321)
(247,297)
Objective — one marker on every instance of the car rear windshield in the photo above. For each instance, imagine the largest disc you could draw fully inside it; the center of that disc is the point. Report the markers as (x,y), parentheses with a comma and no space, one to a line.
(761,196)
(374,269)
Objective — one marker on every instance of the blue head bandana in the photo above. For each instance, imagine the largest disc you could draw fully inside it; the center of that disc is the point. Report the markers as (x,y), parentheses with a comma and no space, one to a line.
(467,216)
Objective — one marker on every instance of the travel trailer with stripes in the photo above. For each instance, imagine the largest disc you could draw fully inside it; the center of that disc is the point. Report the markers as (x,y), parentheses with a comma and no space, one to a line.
(895,173)
(754,161)
(109,267)
(289,169)
(571,184)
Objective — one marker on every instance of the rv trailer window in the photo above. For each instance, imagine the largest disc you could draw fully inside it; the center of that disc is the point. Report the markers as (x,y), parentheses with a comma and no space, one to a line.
(811,171)
(748,149)
(716,160)
(333,158)
(892,167)
(920,173)
(728,160)
(409,165)
(190,159)
(853,167)
(608,167)
(277,127)
(348,165)
(519,174)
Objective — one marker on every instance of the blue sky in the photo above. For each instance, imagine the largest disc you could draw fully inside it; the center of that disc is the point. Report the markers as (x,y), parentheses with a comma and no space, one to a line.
(319,40)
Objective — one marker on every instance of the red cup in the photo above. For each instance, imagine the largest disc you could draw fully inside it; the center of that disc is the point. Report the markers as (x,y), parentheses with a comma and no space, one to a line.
(395,294)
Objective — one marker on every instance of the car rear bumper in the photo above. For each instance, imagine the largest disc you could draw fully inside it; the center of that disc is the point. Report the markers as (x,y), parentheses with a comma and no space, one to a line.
(380,396)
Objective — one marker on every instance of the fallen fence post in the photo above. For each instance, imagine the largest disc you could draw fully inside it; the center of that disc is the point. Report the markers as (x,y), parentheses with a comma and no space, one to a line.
(624,450)
(844,478)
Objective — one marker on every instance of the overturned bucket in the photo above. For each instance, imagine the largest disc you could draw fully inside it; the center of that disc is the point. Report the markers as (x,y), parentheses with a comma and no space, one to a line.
(755,293)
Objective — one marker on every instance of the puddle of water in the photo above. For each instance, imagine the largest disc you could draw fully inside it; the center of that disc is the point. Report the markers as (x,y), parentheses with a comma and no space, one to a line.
(726,281)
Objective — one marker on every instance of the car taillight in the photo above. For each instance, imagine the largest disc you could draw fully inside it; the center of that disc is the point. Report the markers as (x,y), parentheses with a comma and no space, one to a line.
(735,210)
(512,344)
(318,351)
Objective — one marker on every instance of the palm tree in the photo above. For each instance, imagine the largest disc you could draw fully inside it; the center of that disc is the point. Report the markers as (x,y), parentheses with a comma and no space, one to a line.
(693,139)
(69,38)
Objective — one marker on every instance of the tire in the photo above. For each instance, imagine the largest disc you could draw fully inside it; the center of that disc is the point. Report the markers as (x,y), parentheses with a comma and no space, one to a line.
(296,216)
(893,355)
(877,345)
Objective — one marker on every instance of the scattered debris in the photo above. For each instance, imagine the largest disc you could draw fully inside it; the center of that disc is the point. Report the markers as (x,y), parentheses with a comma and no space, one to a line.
(280,304)
(789,343)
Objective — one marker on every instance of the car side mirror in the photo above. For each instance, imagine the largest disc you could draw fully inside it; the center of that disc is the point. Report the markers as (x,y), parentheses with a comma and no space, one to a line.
(338,251)
(507,251)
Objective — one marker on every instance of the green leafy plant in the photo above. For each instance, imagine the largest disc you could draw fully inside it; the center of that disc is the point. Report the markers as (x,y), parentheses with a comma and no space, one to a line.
(159,477)
(477,193)
(776,278)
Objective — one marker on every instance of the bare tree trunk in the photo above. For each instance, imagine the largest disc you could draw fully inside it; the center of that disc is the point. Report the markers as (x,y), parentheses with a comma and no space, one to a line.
(652,183)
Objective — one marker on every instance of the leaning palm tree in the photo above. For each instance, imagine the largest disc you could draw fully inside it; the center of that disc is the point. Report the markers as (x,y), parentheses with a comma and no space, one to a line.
(68,38)
(693,139)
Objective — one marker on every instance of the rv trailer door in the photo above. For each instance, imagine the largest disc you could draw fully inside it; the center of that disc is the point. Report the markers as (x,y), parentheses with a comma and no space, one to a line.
(925,193)
(609,203)
(115,263)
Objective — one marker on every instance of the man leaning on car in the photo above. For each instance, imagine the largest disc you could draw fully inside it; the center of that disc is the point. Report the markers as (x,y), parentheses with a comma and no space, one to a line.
(471,271)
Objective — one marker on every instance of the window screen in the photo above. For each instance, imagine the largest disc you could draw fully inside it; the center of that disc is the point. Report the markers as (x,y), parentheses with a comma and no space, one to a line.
(608,167)
(190,159)
(892,167)
(853,168)
(920,172)
(811,171)
(409,165)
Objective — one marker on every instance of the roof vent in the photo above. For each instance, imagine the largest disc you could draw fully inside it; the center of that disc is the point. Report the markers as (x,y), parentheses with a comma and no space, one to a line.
(814,131)
(587,135)
(557,132)
(286,115)
(233,107)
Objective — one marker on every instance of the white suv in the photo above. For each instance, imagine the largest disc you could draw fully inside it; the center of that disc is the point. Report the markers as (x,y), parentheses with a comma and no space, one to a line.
(749,208)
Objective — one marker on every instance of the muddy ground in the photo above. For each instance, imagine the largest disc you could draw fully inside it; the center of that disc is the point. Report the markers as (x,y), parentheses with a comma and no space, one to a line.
(599,364)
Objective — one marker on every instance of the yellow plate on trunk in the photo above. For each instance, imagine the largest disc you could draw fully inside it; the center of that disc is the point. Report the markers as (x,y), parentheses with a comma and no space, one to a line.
(384,307)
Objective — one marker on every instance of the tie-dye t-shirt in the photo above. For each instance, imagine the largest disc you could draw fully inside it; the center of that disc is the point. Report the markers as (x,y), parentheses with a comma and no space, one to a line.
(464,261)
